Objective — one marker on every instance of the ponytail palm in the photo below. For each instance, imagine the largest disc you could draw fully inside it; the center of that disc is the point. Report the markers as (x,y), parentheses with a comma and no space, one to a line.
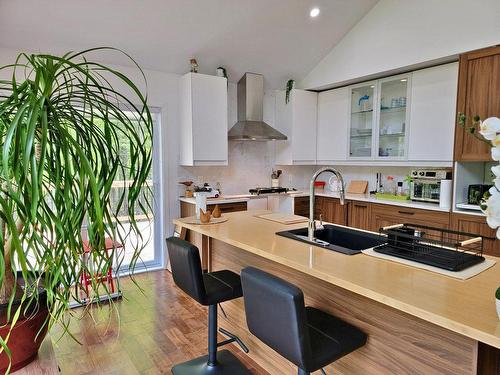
(63,129)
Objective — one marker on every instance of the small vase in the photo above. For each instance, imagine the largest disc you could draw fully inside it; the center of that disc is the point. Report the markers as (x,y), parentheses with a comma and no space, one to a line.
(498,307)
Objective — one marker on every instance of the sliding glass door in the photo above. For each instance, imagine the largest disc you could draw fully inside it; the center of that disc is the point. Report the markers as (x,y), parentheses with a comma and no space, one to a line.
(149,225)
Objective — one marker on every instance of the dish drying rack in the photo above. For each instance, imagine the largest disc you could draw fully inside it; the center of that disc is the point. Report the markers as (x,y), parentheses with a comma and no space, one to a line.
(442,248)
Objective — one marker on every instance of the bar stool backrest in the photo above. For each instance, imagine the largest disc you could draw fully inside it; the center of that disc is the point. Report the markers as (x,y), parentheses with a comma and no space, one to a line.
(276,314)
(186,268)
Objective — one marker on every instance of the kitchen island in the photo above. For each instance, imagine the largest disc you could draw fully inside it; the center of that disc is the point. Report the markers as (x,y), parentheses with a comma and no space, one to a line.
(417,321)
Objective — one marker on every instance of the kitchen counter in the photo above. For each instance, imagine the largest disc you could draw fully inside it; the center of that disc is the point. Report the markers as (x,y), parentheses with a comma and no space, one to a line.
(321,193)
(371,199)
(239,197)
(221,200)
(462,312)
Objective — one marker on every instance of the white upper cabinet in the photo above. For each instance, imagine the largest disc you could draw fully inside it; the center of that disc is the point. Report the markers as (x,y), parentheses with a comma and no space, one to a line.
(297,120)
(333,129)
(203,119)
(433,113)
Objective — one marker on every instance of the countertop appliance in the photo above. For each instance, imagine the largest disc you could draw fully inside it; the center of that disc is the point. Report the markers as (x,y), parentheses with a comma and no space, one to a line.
(476,192)
(269,190)
(426,184)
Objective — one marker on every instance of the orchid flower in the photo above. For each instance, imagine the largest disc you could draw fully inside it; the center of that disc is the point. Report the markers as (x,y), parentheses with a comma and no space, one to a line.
(489,128)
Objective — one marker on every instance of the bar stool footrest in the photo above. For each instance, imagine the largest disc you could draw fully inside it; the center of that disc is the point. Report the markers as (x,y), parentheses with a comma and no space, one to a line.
(232,338)
(227,364)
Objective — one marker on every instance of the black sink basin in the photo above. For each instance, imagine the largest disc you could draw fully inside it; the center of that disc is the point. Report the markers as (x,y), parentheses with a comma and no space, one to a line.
(344,240)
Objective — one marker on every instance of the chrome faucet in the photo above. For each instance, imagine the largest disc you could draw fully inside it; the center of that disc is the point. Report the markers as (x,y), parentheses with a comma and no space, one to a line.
(312,223)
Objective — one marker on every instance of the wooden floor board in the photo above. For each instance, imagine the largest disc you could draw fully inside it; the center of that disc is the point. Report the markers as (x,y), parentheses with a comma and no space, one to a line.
(158,327)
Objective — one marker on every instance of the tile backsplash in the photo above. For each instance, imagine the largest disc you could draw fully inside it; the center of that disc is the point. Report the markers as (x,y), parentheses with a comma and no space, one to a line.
(251,164)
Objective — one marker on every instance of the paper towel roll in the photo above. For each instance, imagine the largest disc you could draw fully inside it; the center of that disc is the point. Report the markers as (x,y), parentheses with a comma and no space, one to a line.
(445,194)
(201,203)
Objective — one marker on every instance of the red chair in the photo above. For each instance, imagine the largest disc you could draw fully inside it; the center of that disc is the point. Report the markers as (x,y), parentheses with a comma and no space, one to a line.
(86,278)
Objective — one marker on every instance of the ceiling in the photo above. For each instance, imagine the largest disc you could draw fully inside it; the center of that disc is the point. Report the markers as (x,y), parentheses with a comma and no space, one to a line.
(274,37)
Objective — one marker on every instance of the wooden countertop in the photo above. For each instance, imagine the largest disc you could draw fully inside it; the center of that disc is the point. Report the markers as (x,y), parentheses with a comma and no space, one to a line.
(466,307)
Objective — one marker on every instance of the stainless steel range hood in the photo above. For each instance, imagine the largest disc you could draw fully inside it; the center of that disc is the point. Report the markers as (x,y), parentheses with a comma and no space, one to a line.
(250,126)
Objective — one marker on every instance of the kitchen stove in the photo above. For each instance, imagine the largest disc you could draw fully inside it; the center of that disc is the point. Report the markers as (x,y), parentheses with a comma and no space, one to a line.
(269,190)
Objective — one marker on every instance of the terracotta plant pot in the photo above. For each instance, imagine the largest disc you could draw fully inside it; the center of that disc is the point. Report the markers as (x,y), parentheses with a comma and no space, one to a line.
(27,335)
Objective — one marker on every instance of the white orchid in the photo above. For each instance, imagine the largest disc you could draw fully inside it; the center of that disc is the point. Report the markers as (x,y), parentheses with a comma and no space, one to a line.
(492,210)
(496,172)
(495,153)
(496,141)
(489,128)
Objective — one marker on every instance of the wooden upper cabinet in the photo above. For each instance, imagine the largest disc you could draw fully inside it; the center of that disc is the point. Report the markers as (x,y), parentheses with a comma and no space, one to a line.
(478,94)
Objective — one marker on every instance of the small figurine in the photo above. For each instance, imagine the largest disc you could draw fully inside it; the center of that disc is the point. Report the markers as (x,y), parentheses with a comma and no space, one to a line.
(194,65)
(217,212)
(221,72)
(205,217)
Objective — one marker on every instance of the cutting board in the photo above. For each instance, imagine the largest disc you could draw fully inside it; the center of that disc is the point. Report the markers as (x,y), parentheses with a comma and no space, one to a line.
(283,218)
(357,187)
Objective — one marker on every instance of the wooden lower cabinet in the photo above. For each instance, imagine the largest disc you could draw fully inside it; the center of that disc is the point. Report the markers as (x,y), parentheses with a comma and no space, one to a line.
(477,225)
(189,209)
(331,210)
(359,214)
(383,215)
(301,207)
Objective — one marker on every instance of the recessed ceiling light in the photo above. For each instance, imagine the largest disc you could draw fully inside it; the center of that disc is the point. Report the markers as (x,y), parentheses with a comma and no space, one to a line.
(404,80)
(372,86)
(314,12)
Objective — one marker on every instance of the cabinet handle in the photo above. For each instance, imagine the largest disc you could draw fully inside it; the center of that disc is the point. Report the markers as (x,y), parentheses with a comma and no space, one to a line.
(406,212)
(360,205)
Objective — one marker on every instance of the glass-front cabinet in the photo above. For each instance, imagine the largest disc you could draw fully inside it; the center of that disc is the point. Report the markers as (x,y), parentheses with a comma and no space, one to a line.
(379,118)
(362,116)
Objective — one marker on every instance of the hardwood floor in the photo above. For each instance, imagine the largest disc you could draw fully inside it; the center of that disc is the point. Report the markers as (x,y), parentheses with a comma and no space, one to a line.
(158,326)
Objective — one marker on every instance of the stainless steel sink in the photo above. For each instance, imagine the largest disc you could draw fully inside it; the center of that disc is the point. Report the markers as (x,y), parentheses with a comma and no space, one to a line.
(343,240)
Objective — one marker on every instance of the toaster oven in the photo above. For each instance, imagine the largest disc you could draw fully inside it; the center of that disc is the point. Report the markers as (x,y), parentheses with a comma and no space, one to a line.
(426,184)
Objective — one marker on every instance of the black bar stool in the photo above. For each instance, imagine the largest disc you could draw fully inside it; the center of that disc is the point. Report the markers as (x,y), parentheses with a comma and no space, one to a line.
(208,289)
(307,337)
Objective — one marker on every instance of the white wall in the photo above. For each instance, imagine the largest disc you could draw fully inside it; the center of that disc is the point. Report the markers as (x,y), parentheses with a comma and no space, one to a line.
(404,33)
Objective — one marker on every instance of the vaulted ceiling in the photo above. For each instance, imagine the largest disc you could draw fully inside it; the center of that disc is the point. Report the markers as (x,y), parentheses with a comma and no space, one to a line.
(274,37)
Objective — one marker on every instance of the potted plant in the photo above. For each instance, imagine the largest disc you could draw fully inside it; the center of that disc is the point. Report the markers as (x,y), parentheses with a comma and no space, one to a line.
(290,85)
(63,129)
(497,295)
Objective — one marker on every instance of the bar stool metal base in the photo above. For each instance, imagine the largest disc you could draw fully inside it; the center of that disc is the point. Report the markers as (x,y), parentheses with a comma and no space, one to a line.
(227,364)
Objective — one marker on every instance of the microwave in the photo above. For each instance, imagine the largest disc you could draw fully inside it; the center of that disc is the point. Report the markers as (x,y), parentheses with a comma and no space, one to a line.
(426,184)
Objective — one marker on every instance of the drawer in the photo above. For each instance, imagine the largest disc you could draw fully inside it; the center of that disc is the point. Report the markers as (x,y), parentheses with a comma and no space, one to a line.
(428,216)
(229,207)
